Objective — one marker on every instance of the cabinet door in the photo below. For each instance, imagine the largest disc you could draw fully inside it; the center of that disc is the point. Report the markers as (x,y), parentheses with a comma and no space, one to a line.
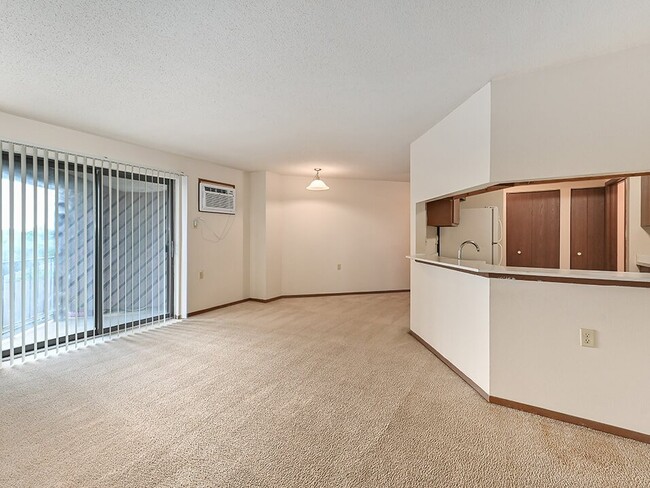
(518,229)
(533,229)
(443,213)
(588,229)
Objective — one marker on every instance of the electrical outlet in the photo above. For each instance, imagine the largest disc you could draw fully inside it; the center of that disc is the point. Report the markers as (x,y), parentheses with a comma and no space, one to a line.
(338,266)
(200,275)
(587,337)
(195,223)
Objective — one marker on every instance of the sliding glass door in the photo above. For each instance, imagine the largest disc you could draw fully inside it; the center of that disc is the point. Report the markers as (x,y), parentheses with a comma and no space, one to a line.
(137,226)
(47,278)
(85,249)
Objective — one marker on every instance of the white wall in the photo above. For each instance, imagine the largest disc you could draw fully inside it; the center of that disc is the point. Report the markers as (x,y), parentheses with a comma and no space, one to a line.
(450,310)
(536,357)
(257,234)
(583,118)
(638,237)
(275,239)
(299,237)
(225,264)
(455,153)
(363,225)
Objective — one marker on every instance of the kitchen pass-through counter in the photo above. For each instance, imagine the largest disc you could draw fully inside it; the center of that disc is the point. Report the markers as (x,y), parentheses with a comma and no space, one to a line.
(513,334)
(480,268)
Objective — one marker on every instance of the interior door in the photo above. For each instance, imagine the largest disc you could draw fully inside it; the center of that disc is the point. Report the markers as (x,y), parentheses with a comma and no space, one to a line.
(588,229)
(533,229)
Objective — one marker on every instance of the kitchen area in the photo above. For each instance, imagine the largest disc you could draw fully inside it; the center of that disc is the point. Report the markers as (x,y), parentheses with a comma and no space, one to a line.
(591,224)
(540,183)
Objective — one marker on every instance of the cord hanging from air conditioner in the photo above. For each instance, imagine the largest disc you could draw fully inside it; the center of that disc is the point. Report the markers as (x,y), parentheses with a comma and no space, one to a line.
(212,235)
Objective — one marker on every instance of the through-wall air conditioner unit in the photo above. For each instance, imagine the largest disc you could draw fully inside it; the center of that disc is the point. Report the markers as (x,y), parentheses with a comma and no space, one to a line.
(216,197)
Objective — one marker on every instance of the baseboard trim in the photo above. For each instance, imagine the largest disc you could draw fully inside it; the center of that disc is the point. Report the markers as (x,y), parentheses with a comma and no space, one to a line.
(571,419)
(316,295)
(264,300)
(217,307)
(543,412)
(313,295)
(451,366)
(338,294)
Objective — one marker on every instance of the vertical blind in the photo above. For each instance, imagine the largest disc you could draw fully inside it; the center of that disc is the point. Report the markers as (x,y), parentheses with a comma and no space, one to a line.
(87,249)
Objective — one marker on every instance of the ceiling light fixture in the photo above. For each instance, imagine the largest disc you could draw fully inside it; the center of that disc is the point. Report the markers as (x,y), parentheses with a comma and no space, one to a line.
(317,184)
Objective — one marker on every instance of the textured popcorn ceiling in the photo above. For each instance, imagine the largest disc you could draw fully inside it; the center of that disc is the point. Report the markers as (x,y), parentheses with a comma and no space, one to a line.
(287,85)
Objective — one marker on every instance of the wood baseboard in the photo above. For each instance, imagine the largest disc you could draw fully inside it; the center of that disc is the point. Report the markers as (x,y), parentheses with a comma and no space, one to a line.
(571,419)
(217,307)
(315,295)
(268,300)
(263,300)
(338,294)
(451,366)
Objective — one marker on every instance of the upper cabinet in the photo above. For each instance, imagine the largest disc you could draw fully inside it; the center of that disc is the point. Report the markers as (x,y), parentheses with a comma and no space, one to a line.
(443,213)
(645,201)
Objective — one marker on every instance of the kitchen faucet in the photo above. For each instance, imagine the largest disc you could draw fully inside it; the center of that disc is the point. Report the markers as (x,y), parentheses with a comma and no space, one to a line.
(460,248)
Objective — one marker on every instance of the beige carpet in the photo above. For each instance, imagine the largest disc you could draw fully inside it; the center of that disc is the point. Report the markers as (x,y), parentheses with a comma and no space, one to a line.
(295,393)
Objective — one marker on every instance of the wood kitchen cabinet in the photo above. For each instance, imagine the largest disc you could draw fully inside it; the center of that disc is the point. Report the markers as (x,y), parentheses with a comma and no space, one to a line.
(443,213)
(645,201)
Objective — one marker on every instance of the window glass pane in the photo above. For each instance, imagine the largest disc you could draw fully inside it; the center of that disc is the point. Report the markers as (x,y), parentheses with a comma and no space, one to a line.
(135,232)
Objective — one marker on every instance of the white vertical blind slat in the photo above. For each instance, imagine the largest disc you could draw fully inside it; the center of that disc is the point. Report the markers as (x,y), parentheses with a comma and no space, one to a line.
(23,250)
(12,256)
(75,261)
(66,250)
(132,305)
(139,267)
(165,246)
(85,249)
(151,241)
(110,250)
(147,241)
(96,226)
(56,252)
(35,248)
(117,238)
(157,256)
(46,251)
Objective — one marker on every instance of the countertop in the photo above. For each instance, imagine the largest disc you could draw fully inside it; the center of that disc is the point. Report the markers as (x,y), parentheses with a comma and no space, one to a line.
(568,275)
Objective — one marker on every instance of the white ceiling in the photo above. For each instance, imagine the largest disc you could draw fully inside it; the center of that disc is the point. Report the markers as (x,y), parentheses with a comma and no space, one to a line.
(288,85)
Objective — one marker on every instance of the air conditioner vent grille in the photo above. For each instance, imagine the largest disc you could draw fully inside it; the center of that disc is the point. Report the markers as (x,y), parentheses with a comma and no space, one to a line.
(216,198)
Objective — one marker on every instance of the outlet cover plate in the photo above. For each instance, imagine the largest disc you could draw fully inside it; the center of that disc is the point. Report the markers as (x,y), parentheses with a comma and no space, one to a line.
(587,337)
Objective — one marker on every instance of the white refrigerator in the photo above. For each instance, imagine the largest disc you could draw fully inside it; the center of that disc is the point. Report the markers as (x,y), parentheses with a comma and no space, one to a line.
(481,225)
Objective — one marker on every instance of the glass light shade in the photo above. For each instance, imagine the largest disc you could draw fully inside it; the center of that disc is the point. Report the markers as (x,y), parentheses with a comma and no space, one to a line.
(317,185)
